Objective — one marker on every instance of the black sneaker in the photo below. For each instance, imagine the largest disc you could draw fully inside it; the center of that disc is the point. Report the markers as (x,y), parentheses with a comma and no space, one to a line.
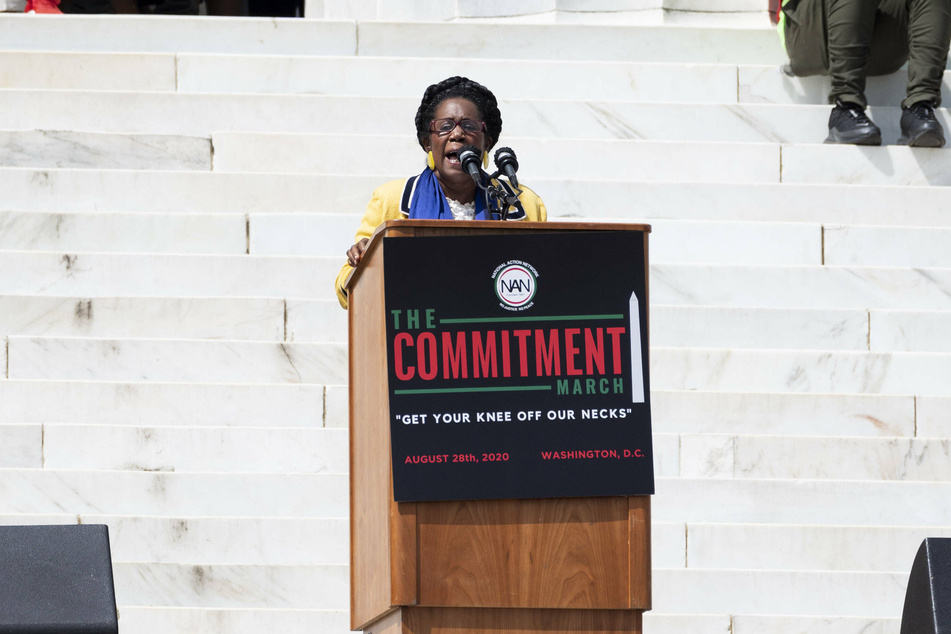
(919,127)
(849,124)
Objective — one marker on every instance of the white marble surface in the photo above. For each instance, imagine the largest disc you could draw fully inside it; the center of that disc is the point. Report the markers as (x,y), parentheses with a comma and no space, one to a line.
(918,247)
(53,148)
(173,494)
(825,502)
(768,84)
(274,541)
(123,233)
(148,275)
(666,456)
(725,242)
(143,317)
(302,234)
(22,446)
(768,592)
(174,34)
(910,331)
(750,624)
(87,71)
(934,417)
(855,165)
(658,623)
(699,412)
(59,191)
(792,547)
(409,77)
(215,449)
(827,287)
(627,43)
(163,404)
(316,321)
(808,371)
(337,406)
(232,586)
(715,327)
(825,458)
(175,360)
(650,160)
(161,620)
(668,545)
(33,519)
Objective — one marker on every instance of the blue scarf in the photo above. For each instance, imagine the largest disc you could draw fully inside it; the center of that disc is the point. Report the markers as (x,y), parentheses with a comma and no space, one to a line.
(429,203)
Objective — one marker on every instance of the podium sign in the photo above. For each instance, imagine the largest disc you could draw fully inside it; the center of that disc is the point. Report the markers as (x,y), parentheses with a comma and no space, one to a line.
(518,366)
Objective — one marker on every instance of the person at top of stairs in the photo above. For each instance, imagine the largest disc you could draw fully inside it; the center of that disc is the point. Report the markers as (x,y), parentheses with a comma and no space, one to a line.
(851,39)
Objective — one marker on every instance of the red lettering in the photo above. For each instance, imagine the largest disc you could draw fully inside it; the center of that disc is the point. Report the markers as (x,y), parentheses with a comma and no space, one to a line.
(593,352)
(484,356)
(615,334)
(571,351)
(454,358)
(427,340)
(506,357)
(402,374)
(547,356)
(522,335)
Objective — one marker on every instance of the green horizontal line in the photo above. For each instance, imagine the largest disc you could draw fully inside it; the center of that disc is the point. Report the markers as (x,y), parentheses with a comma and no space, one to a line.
(489,320)
(458,390)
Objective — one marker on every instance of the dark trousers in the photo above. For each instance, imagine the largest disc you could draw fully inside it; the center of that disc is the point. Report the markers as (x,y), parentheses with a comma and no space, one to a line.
(852,39)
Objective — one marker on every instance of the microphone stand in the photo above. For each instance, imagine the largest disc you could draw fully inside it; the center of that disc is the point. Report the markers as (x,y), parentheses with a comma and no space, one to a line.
(497,194)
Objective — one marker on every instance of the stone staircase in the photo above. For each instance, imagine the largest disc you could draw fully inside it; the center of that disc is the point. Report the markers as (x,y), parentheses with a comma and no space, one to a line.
(176,195)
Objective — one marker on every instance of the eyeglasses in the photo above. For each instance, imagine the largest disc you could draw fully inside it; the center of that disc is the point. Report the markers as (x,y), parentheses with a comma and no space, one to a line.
(442,127)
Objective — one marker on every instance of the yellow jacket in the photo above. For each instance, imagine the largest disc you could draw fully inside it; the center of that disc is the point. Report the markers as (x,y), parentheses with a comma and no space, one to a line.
(387,204)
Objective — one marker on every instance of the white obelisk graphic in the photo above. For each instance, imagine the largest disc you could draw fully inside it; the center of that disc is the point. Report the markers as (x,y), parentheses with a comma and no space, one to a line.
(637,367)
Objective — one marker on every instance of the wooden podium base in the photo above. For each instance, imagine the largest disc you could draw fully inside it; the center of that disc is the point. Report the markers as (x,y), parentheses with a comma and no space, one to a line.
(415,620)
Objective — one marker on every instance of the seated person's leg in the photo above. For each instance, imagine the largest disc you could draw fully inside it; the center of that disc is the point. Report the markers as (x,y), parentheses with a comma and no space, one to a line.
(850,25)
(929,32)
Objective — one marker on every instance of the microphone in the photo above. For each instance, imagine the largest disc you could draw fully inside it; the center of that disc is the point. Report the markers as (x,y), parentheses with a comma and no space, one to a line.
(506,162)
(471,160)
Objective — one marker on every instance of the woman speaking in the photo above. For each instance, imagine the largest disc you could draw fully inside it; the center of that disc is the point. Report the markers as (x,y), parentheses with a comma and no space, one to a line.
(455,113)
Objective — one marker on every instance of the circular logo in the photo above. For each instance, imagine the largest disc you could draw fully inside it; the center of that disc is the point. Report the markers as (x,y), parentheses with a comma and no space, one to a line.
(515,285)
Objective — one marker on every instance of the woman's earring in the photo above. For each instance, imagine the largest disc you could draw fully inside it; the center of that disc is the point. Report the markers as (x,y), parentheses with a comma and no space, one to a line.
(430,161)
(485,160)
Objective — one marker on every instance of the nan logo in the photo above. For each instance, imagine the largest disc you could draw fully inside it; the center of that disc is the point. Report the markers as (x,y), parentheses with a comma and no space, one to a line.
(515,284)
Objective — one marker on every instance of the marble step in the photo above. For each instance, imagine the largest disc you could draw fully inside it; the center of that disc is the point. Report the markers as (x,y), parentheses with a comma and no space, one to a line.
(906,331)
(173,34)
(146,584)
(93,275)
(22,446)
(825,287)
(408,77)
(828,457)
(145,317)
(648,160)
(293,495)
(162,620)
(707,242)
(382,39)
(793,371)
(844,415)
(891,165)
(315,321)
(227,540)
(87,71)
(918,247)
(58,191)
(783,624)
(769,84)
(55,148)
(800,502)
(175,360)
(199,115)
(841,548)
(873,595)
(181,449)
(171,404)
(123,232)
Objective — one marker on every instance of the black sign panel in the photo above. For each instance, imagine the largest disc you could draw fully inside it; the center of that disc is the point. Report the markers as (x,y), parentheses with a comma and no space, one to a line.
(518,366)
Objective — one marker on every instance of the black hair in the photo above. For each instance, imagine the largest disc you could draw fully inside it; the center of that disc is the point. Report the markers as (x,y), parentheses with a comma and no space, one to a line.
(464,88)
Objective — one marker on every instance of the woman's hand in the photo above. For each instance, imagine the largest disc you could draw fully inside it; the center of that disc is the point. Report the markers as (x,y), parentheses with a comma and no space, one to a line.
(355,253)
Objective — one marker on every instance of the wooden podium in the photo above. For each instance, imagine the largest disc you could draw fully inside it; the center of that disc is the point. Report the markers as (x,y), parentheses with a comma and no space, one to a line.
(523,565)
